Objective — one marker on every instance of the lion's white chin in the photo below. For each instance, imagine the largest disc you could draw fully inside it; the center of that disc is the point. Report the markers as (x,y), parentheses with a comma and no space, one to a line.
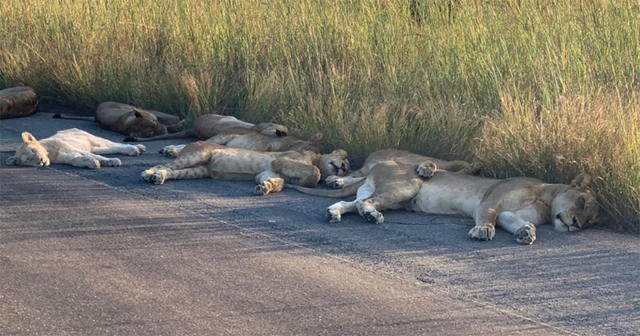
(559,226)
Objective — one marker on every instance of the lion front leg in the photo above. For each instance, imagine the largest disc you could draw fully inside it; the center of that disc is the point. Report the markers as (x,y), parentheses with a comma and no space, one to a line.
(340,182)
(161,175)
(524,231)
(268,182)
(485,218)
(118,148)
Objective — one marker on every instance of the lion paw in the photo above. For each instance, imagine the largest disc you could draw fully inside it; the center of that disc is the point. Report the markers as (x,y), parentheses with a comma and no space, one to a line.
(373,216)
(526,234)
(335,182)
(155,177)
(169,151)
(141,149)
(333,215)
(146,175)
(113,162)
(426,170)
(135,150)
(482,232)
(261,190)
(92,163)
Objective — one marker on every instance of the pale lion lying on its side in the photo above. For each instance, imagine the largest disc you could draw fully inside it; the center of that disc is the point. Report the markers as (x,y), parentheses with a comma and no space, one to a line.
(517,205)
(398,156)
(270,170)
(73,147)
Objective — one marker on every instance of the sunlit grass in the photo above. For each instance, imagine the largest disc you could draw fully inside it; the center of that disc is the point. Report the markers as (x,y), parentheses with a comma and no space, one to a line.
(538,88)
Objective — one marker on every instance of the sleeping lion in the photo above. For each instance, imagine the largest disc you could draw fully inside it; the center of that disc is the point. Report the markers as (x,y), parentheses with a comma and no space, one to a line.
(73,147)
(270,170)
(516,205)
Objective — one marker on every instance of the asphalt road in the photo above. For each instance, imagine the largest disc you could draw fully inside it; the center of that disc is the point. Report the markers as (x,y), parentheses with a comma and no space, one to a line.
(86,252)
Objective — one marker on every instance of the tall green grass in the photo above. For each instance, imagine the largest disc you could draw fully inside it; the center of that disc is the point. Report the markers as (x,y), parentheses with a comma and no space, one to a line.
(527,87)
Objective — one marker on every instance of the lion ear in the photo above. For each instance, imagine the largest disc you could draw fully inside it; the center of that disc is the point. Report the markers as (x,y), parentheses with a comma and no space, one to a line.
(11,161)
(281,133)
(581,181)
(316,138)
(137,113)
(28,138)
(340,152)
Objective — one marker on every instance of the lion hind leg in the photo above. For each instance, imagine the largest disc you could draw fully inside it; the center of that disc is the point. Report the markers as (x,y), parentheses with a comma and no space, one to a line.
(172,151)
(78,159)
(334,212)
(222,139)
(268,182)
(297,173)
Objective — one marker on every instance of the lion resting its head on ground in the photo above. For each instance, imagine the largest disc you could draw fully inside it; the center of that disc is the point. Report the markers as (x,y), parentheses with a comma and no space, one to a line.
(270,170)
(210,125)
(517,205)
(73,147)
(131,121)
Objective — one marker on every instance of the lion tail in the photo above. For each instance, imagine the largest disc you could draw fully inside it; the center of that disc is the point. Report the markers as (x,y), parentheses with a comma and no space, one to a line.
(333,193)
(70,117)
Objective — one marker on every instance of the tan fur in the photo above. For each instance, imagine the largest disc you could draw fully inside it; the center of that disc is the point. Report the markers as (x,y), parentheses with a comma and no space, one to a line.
(131,121)
(73,147)
(401,157)
(517,205)
(271,170)
(211,125)
(257,142)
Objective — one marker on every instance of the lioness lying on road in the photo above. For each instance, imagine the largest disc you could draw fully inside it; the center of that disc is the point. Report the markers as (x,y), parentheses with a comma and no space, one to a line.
(398,156)
(271,170)
(209,125)
(128,120)
(256,142)
(517,205)
(73,147)
(234,133)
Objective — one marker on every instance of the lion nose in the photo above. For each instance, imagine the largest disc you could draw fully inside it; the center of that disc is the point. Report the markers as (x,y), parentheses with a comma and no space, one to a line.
(558,216)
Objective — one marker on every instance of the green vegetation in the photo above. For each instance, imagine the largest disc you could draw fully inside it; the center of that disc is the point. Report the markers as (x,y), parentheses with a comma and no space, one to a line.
(525,87)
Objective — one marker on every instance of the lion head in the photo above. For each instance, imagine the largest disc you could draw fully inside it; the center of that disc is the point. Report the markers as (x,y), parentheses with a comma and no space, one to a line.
(146,125)
(29,153)
(575,208)
(335,163)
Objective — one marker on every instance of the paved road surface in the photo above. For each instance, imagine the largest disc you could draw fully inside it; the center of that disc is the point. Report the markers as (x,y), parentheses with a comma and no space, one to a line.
(87,252)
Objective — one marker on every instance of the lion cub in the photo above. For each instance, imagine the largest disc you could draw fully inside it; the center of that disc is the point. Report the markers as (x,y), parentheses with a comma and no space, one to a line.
(270,170)
(73,147)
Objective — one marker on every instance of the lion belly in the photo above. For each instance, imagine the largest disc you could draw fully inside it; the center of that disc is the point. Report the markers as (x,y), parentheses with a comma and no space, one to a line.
(239,162)
(246,142)
(450,194)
